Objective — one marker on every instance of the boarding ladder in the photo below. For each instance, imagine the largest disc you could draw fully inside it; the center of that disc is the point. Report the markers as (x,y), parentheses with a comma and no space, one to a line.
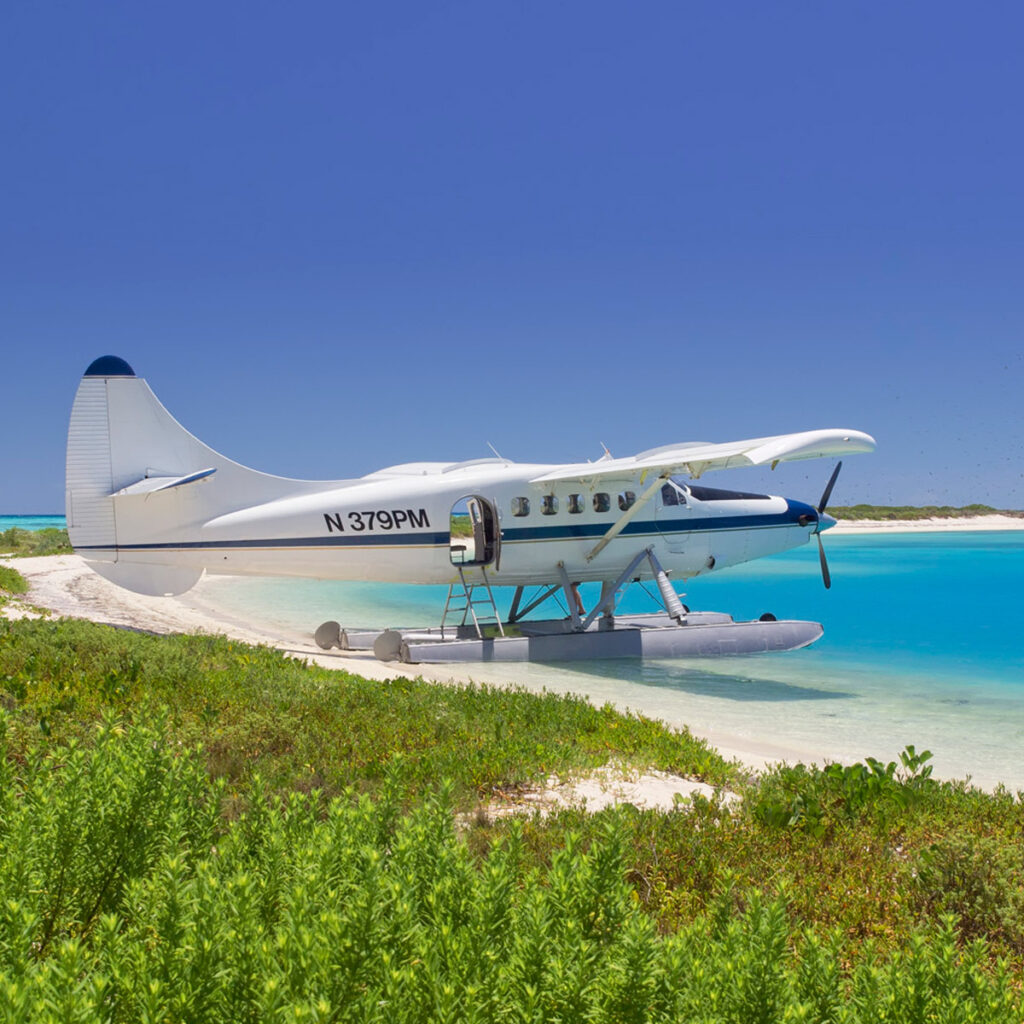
(463,597)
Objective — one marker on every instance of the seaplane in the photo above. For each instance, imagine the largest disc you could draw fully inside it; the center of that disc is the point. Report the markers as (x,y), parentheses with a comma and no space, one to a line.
(152,508)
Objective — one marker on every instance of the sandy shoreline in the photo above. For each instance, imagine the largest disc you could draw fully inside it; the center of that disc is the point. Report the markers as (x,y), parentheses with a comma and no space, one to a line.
(67,587)
(862,526)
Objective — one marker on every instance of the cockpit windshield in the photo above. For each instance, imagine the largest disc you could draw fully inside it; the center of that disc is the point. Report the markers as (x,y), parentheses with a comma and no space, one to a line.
(716,494)
(676,492)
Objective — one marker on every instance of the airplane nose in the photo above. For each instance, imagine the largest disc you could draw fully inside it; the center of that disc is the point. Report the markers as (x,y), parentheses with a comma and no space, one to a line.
(825,522)
(803,515)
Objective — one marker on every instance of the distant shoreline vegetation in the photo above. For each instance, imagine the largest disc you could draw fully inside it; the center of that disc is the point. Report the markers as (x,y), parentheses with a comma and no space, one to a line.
(910,512)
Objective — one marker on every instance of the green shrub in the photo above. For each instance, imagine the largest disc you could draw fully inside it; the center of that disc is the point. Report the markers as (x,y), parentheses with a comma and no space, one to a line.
(813,799)
(980,881)
(80,822)
(11,581)
(32,543)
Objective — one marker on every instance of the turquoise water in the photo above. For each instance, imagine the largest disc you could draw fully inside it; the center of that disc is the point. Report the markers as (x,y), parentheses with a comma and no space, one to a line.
(922,645)
(32,522)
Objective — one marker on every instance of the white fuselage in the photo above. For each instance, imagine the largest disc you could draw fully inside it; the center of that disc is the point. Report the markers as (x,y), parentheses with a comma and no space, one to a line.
(395,526)
(151,507)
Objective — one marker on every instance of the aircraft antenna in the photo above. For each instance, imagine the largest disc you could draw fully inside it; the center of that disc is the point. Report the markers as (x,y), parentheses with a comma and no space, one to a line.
(495,450)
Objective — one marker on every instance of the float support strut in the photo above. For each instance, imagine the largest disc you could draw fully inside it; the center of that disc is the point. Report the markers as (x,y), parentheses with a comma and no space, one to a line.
(570,598)
(668,595)
(607,602)
(515,613)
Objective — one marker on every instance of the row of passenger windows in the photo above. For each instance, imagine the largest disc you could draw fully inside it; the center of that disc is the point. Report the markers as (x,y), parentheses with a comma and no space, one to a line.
(671,494)
(574,503)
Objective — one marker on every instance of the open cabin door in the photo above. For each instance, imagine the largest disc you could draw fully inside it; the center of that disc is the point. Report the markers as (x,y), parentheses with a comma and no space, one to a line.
(475,534)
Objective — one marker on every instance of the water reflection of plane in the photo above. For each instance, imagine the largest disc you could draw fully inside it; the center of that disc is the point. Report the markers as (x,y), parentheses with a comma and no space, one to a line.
(152,508)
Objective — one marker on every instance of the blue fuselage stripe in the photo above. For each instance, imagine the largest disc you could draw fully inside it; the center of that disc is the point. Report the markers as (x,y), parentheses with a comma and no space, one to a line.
(509,535)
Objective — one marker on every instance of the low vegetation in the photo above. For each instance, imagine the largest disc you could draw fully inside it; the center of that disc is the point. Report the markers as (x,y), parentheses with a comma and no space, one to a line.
(11,582)
(901,512)
(192,829)
(127,897)
(301,727)
(31,543)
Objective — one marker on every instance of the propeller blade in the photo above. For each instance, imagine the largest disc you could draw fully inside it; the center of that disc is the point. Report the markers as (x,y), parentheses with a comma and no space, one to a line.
(826,576)
(827,493)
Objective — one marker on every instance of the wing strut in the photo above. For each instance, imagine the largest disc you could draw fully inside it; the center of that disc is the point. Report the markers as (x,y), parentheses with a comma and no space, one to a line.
(620,524)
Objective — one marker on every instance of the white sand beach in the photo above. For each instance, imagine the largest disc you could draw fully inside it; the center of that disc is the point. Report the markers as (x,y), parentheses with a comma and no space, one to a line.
(864,526)
(66,586)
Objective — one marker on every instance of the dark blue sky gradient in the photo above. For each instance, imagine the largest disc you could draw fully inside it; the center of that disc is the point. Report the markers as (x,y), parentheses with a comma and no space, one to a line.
(338,237)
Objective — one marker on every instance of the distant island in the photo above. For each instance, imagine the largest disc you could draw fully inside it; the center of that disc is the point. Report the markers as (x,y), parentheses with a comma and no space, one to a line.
(910,512)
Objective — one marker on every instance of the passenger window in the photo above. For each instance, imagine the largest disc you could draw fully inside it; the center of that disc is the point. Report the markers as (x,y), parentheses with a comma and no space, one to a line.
(548,505)
(575,504)
(627,499)
(520,506)
(602,502)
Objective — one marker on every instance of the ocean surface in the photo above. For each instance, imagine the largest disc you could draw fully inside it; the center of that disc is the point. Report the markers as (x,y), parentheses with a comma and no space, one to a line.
(923,645)
(31,522)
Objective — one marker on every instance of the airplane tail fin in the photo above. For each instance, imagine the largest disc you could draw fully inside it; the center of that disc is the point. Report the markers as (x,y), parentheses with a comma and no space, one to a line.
(139,486)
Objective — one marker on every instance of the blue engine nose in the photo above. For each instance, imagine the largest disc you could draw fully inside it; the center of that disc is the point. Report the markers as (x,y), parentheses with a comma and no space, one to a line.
(801,513)
(825,521)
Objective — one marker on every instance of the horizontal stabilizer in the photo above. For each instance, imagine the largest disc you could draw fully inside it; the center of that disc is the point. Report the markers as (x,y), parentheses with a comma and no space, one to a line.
(152,484)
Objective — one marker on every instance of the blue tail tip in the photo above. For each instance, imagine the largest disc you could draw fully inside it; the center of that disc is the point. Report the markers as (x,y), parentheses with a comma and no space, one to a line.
(109,366)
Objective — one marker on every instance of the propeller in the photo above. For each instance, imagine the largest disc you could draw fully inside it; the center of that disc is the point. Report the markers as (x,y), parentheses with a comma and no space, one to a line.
(826,576)
(827,493)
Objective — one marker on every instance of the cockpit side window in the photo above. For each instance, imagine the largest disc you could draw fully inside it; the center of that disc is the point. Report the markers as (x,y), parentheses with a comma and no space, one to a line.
(673,494)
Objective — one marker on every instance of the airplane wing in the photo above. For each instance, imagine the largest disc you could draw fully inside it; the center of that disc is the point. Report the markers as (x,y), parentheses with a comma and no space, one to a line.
(696,459)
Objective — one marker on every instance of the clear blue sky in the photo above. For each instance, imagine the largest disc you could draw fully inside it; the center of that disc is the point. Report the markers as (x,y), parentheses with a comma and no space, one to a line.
(335,237)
